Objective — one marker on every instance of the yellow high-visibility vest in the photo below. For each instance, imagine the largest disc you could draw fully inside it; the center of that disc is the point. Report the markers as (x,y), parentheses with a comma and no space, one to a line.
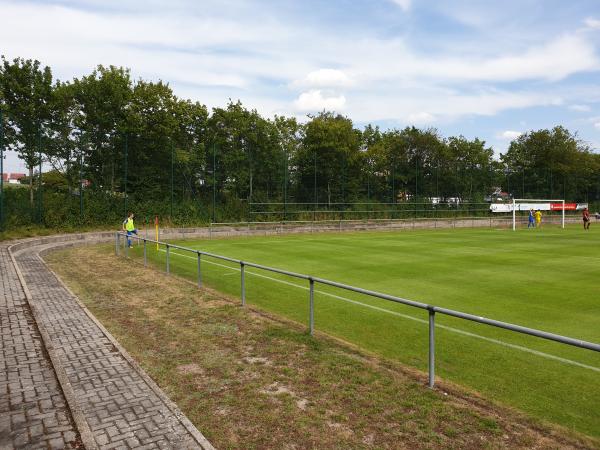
(129,226)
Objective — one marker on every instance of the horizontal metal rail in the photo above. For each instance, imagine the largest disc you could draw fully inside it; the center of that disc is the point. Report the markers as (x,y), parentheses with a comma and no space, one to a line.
(356,211)
(336,221)
(432,309)
(366,203)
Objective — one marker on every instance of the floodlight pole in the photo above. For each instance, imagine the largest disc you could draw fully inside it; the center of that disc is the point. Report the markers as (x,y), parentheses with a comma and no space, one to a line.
(214,181)
(39,202)
(514,214)
(1,170)
(81,186)
(315,186)
(285,170)
(125,183)
(172,173)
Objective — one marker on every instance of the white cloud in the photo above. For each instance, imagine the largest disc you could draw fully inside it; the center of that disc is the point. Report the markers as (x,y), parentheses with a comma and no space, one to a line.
(328,78)
(590,22)
(421,118)
(552,61)
(580,108)
(314,100)
(597,125)
(510,135)
(210,53)
(403,4)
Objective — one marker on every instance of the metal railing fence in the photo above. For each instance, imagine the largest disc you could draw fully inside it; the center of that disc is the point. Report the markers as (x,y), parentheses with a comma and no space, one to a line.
(431,309)
(280,226)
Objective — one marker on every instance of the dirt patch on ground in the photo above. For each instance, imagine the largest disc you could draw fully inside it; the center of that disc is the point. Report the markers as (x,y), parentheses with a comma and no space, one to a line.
(193,369)
(248,381)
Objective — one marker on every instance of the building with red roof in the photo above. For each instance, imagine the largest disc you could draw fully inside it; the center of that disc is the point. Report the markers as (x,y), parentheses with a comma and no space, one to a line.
(12,178)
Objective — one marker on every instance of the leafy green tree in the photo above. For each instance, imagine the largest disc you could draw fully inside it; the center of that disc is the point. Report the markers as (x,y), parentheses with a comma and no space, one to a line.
(470,164)
(103,99)
(550,163)
(249,156)
(288,138)
(63,141)
(190,140)
(26,91)
(329,160)
(151,127)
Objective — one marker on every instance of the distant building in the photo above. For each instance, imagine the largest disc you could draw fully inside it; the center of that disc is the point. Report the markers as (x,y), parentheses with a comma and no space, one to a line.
(15,178)
(12,178)
(498,196)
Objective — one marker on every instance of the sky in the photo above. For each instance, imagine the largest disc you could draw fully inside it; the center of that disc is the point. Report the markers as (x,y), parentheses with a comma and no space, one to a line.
(481,69)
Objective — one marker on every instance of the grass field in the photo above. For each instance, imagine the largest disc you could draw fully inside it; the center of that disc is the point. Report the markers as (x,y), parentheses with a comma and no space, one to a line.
(545,279)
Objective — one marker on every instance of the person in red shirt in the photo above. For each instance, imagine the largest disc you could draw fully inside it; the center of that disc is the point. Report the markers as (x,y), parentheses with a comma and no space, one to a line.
(586,219)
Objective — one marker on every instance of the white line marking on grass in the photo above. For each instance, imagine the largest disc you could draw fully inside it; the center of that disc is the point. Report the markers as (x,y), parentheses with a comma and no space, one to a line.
(405,316)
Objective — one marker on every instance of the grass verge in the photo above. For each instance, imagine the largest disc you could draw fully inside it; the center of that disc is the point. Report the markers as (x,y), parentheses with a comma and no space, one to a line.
(249,381)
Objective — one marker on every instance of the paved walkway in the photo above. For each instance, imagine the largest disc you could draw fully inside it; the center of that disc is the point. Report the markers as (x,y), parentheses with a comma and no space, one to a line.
(64,381)
(33,411)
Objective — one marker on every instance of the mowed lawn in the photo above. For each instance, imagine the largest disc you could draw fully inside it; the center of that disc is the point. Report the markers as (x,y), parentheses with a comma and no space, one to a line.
(546,279)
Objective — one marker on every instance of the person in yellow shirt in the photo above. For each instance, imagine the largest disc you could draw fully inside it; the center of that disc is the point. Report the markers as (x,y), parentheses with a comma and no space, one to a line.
(129,227)
(538,218)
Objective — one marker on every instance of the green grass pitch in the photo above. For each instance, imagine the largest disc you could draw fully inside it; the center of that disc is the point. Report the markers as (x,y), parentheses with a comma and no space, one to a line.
(547,279)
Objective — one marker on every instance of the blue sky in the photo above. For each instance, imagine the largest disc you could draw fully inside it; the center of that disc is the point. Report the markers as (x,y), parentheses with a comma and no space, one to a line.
(481,69)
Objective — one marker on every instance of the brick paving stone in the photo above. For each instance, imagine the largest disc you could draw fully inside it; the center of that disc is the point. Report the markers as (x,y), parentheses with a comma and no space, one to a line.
(119,406)
(33,411)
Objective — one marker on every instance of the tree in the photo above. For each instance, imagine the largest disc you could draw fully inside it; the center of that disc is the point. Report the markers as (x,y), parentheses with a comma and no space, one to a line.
(103,99)
(328,160)
(471,162)
(27,90)
(151,127)
(190,141)
(63,139)
(552,163)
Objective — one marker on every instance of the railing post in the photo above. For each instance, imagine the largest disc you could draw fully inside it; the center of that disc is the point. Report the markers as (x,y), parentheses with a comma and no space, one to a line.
(199,270)
(311,323)
(126,241)
(431,347)
(145,254)
(168,266)
(243,282)
(117,244)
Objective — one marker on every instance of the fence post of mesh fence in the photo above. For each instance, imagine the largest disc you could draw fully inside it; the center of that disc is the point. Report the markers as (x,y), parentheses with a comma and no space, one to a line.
(311,321)
(168,266)
(243,283)
(431,346)
(145,254)
(117,244)
(199,270)
(514,214)
(563,213)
